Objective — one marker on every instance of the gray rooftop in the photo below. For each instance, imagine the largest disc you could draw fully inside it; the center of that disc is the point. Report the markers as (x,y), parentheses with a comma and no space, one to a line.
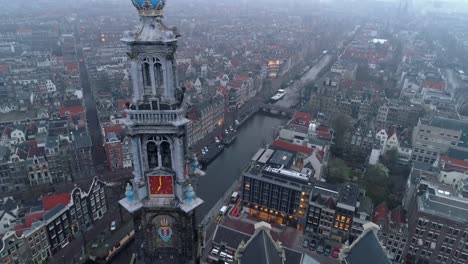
(367,251)
(232,239)
(349,194)
(82,140)
(281,157)
(54,212)
(449,207)
(458,154)
(261,249)
(229,237)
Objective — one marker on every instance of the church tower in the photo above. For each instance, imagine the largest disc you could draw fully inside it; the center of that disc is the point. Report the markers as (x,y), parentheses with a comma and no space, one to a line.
(160,197)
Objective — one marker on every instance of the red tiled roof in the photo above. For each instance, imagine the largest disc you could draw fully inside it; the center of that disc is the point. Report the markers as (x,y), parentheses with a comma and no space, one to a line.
(49,202)
(29,219)
(292,147)
(453,164)
(222,90)
(242,78)
(72,66)
(380,213)
(122,104)
(234,85)
(115,129)
(4,68)
(323,132)
(72,110)
(19,230)
(7,131)
(303,116)
(36,151)
(397,216)
(24,30)
(434,85)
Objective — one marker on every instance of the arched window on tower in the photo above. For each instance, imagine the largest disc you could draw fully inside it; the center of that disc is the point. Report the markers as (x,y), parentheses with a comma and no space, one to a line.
(158,74)
(146,72)
(152,151)
(166,155)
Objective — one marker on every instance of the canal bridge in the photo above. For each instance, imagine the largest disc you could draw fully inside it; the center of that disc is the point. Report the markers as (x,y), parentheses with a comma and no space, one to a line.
(275,109)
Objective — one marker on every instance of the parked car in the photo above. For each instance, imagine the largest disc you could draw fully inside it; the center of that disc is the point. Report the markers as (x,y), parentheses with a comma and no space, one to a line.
(216,139)
(231,128)
(226,131)
(313,245)
(236,122)
(335,252)
(214,252)
(320,247)
(113,226)
(305,243)
(327,250)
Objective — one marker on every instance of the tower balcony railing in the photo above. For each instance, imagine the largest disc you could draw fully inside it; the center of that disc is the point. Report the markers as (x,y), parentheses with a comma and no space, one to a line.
(150,117)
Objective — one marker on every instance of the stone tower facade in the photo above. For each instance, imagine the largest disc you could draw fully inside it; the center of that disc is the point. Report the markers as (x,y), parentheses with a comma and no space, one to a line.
(160,197)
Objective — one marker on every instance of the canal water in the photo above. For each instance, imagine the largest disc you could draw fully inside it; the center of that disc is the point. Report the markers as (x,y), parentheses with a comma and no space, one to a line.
(221,173)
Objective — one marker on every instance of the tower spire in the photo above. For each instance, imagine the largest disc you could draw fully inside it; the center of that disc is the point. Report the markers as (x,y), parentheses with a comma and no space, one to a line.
(159,197)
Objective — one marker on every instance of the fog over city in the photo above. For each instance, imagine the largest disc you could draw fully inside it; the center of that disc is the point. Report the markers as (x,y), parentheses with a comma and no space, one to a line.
(203,131)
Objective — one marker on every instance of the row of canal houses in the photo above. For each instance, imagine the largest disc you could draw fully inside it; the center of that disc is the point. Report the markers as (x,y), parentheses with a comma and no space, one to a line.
(44,230)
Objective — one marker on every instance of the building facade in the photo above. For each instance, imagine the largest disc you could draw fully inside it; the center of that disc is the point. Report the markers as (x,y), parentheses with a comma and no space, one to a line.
(436,136)
(274,192)
(337,212)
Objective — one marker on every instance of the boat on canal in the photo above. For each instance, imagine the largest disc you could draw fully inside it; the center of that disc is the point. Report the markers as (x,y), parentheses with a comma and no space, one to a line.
(228,139)
(213,151)
(278,96)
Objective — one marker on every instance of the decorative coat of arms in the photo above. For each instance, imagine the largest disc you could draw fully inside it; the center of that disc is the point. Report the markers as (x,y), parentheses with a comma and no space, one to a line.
(164,230)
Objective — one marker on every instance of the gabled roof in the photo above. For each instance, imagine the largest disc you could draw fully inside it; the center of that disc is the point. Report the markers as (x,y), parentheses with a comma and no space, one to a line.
(261,249)
(229,237)
(51,201)
(380,214)
(397,216)
(367,250)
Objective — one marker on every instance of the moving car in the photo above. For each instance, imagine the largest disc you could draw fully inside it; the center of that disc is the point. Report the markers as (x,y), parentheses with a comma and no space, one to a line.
(216,139)
(113,226)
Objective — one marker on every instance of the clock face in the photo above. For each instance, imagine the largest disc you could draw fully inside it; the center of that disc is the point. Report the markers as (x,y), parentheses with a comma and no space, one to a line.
(161,186)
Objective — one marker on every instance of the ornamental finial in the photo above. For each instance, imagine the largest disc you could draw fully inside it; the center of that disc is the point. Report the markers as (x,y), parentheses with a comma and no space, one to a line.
(149,7)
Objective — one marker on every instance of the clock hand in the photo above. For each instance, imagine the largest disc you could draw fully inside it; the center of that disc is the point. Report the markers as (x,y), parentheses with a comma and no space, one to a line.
(160,183)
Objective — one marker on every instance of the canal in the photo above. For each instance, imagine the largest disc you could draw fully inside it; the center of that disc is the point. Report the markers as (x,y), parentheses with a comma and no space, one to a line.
(221,173)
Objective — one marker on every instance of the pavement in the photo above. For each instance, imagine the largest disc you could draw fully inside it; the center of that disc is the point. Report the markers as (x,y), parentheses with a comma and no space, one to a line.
(101,228)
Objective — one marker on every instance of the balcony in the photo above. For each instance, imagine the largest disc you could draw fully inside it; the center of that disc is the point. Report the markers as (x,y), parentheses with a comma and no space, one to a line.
(155,117)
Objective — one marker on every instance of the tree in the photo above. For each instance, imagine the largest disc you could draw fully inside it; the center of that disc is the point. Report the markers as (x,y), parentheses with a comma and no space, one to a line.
(341,124)
(376,182)
(390,158)
(338,171)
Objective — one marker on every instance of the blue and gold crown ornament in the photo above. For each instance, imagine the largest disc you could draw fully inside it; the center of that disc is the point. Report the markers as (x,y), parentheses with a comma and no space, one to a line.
(149,7)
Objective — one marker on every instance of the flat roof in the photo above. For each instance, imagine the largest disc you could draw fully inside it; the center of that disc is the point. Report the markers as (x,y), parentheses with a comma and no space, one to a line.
(281,157)
(448,207)
(258,154)
(266,156)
